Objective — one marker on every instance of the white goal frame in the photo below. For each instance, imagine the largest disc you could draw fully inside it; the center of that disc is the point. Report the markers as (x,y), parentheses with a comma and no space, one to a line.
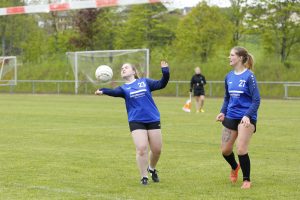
(2,65)
(77,53)
(286,90)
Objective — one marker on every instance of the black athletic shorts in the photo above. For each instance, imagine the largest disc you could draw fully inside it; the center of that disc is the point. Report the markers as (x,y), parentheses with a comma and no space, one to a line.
(234,123)
(144,126)
(199,92)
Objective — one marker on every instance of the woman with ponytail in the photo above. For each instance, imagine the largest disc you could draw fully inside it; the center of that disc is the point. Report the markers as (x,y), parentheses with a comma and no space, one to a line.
(143,116)
(239,113)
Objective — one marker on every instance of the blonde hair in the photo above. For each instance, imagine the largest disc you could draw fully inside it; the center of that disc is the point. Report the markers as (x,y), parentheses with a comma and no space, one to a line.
(247,58)
(136,72)
(197,68)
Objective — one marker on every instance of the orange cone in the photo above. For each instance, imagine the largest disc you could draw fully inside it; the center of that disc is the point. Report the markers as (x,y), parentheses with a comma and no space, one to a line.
(188,104)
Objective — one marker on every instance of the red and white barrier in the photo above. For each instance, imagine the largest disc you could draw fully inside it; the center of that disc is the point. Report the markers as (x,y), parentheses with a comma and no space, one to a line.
(70,6)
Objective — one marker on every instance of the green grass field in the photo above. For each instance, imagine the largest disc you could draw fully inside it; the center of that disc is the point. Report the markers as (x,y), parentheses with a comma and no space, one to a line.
(79,147)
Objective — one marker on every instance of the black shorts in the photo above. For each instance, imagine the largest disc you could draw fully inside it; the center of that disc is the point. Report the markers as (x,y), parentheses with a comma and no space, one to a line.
(199,92)
(234,123)
(144,126)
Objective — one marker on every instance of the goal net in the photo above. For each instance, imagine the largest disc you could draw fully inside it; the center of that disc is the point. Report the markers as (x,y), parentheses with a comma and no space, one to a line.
(85,63)
(8,70)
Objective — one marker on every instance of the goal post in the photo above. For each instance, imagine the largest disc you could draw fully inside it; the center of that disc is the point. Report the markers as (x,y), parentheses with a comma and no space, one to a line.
(292,90)
(8,70)
(85,63)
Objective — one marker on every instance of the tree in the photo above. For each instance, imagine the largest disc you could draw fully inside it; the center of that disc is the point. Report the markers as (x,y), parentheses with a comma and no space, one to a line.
(106,26)
(96,28)
(146,26)
(21,35)
(35,46)
(86,31)
(8,25)
(278,22)
(238,10)
(200,33)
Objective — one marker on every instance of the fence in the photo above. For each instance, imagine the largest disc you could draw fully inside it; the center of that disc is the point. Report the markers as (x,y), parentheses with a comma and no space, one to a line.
(268,89)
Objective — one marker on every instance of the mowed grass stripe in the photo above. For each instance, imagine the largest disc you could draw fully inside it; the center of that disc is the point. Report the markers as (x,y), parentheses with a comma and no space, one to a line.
(79,147)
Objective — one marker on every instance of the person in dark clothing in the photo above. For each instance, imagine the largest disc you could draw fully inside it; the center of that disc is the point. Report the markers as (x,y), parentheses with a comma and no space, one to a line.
(197,85)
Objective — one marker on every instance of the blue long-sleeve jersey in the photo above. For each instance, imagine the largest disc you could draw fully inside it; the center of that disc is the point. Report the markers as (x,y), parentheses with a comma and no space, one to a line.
(241,96)
(138,98)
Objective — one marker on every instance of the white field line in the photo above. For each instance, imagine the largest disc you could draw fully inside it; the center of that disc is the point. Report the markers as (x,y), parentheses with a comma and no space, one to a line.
(63,129)
(70,191)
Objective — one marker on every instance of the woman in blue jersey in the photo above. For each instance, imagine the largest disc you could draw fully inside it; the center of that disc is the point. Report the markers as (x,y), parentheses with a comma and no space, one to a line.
(239,113)
(143,116)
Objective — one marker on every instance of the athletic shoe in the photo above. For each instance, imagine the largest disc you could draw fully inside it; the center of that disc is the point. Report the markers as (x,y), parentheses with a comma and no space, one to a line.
(246,185)
(197,111)
(144,181)
(154,175)
(234,174)
(201,110)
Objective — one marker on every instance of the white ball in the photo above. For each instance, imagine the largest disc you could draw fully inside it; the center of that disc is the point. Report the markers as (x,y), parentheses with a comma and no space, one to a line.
(104,73)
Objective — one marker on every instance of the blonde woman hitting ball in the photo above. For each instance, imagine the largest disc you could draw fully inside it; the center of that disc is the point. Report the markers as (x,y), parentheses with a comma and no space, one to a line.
(143,116)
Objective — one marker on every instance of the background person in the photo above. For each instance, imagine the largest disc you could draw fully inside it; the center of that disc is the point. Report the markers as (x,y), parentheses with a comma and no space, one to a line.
(197,85)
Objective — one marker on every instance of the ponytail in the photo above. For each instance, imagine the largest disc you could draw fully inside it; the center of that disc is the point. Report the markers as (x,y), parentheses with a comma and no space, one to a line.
(137,74)
(250,62)
(247,58)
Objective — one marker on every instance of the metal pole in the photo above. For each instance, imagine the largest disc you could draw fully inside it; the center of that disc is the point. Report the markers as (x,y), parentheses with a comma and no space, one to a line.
(16,69)
(58,89)
(11,89)
(147,62)
(76,73)
(33,87)
(177,89)
(2,66)
(210,89)
(285,91)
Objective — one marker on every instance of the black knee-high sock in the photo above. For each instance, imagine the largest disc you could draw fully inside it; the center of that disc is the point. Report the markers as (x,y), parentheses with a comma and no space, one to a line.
(245,165)
(231,160)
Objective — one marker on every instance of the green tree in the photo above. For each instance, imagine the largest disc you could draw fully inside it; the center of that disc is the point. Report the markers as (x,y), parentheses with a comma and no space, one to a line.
(58,26)
(96,28)
(106,26)
(145,26)
(85,31)
(8,26)
(201,32)
(238,10)
(278,22)
(35,46)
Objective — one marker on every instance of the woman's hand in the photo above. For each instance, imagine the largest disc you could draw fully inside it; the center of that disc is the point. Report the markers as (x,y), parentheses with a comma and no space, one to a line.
(245,121)
(98,92)
(164,64)
(220,117)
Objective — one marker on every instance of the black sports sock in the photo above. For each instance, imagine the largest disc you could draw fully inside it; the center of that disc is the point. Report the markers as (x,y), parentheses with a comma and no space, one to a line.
(245,165)
(231,160)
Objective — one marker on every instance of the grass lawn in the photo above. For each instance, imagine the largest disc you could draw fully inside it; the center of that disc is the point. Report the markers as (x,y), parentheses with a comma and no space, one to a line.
(79,147)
